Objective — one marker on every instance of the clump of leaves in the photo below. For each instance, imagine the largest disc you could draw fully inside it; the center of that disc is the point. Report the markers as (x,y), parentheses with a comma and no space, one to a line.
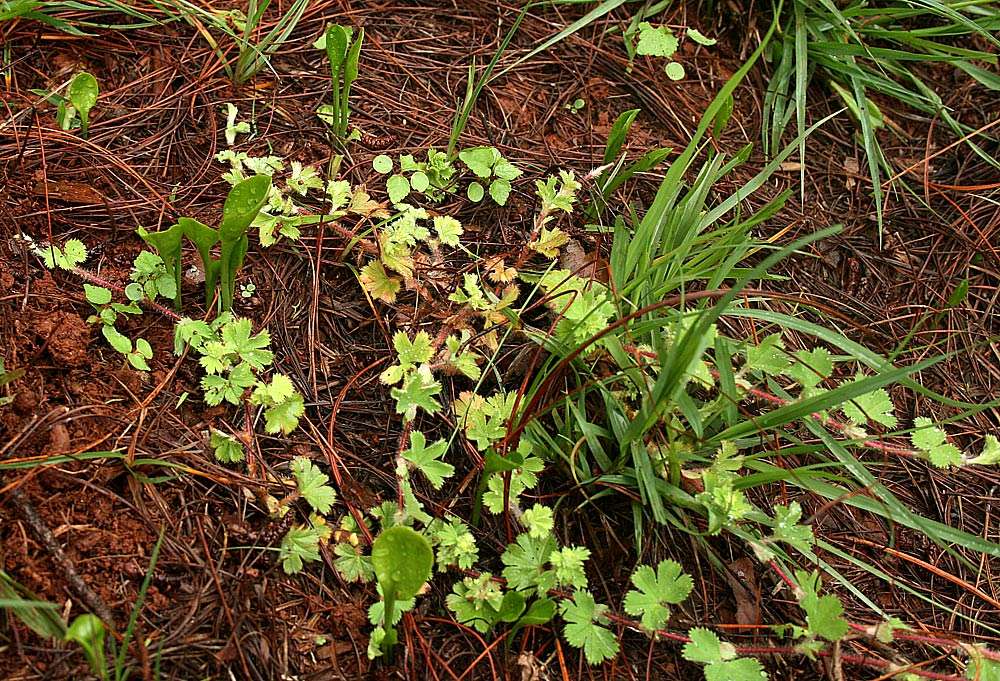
(8,376)
(242,205)
(493,170)
(399,238)
(427,459)
(455,544)
(481,603)
(660,41)
(433,178)
(556,193)
(582,306)
(824,614)
(283,405)
(72,254)
(283,215)
(150,279)
(301,543)
(227,449)
(232,357)
(933,442)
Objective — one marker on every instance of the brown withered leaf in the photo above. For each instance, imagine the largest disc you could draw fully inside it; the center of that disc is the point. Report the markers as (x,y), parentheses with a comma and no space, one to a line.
(68,191)
(742,578)
(583,264)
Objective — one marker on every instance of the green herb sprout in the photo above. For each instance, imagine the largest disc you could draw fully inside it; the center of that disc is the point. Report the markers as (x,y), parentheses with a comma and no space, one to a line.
(342,51)
(244,202)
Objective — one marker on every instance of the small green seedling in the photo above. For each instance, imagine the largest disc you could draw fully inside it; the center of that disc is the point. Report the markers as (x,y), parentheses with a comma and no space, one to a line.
(227,449)
(433,178)
(301,544)
(232,357)
(107,314)
(490,166)
(80,99)
(660,41)
(73,254)
(83,93)
(8,377)
(244,202)
(43,618)
(482,604)
(234,128)
(576,106)
(343,55)
(402,560)
(150,279)
(89,631)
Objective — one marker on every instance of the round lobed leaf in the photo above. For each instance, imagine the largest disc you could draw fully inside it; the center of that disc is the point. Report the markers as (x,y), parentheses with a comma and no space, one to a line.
(398,188)
(499,191)
(83,92)
(98,295)
(419,181)
(133,291)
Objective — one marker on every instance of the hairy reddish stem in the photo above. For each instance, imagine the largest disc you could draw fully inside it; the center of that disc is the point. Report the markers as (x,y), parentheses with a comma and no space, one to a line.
(100,281)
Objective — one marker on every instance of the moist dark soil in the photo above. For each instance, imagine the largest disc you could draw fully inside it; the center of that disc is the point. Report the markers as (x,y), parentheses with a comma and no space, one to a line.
(218,605)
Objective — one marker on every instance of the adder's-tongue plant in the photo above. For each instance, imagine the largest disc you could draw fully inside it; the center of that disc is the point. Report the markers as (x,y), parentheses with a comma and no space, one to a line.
(343,54)
(242,205)
(244,202)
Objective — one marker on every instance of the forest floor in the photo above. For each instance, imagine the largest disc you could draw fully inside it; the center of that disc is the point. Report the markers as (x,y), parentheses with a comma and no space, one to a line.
(219,605)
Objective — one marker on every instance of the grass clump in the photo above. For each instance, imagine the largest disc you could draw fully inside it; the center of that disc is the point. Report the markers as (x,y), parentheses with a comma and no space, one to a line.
(866,51)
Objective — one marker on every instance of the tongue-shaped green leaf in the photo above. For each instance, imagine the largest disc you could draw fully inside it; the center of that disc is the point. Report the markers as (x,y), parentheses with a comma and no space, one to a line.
(82,93)
(167,244)
(242,205)
(337,38)
(402,560)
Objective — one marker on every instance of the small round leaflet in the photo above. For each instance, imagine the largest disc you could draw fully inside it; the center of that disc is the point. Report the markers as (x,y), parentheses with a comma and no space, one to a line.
(475,192)
(382,164)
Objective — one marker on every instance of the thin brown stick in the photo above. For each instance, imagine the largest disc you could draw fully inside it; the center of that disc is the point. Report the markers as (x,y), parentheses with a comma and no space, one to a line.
(26,510)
